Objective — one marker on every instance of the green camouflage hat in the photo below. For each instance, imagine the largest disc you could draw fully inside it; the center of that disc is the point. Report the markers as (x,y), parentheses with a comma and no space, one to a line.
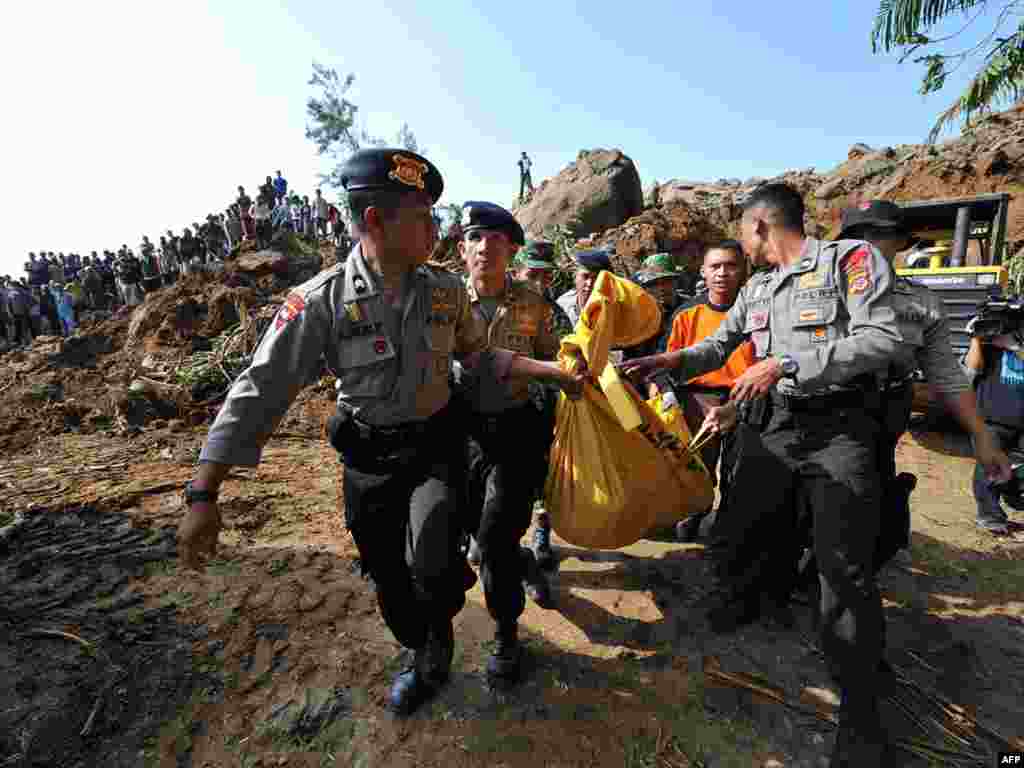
(536,254)
(657,267)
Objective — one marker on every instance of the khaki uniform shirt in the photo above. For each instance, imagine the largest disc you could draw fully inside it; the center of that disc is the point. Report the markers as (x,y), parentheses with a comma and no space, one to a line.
(926,342)
(392,367)
(832,311)
(523,322)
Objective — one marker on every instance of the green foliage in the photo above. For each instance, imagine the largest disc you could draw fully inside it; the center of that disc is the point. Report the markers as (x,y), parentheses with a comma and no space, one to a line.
(903,24)
(1015,266)
(565,244)
(332,122)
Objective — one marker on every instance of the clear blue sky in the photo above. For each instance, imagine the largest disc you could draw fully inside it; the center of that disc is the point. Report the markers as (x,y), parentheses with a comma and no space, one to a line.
(124,119)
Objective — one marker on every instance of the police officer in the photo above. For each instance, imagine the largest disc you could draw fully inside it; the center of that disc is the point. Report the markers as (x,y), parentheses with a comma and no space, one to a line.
(822,323)
(926,347)
(388,326)
(507,433)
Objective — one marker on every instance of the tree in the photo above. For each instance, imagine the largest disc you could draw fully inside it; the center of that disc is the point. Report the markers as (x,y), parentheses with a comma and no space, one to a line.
(332,125)
(905,24)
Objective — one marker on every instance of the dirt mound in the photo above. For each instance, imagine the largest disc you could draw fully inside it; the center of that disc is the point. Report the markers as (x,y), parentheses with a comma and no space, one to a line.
(988,157)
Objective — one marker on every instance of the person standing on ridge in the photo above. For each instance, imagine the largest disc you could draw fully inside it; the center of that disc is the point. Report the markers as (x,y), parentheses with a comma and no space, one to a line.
(525,181)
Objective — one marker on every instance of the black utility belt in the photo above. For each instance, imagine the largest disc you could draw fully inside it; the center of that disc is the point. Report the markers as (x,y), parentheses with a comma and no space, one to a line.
(409,430)
(796,404)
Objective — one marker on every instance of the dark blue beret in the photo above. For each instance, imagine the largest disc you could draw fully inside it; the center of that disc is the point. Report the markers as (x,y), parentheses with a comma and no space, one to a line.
(594,259)
(391,168)
(477,214)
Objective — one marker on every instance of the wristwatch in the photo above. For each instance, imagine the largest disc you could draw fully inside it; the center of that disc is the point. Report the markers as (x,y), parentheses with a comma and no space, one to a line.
(790,367)
(192,495)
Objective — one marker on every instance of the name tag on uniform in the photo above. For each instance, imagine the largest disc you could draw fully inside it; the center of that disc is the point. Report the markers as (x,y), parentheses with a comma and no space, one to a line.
(809,315)
(814,279)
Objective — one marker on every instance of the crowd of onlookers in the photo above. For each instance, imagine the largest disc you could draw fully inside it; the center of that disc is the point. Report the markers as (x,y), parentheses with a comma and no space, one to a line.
(57,287)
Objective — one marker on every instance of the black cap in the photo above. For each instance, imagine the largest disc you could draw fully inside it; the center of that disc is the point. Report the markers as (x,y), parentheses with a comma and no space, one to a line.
(477,214)
(594,259)
(882,214)
(397,169)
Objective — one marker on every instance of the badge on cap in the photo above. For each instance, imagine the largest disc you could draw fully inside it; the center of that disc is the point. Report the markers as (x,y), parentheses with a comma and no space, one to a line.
(359,284)
(408,171)
(467,215)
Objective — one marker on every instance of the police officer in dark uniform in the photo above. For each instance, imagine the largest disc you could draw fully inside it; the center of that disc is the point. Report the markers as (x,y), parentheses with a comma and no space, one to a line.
(823,324)
(388,326)
(508,435)
(926,347)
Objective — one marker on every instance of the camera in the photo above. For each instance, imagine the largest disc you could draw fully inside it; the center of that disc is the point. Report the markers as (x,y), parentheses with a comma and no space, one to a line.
(997,317)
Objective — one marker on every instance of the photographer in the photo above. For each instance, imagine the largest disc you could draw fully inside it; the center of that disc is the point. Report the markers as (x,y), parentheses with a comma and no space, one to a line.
(996,365)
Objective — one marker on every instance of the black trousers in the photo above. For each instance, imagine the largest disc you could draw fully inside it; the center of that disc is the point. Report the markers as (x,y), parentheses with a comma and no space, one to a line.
(501,486)
(405,524)
(894,524)
(832,455)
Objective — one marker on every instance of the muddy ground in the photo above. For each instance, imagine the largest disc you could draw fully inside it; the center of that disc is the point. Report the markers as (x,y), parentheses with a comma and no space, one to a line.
(274,654)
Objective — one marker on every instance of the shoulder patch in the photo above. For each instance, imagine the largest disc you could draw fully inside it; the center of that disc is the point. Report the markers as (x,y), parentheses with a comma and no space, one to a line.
(293,306)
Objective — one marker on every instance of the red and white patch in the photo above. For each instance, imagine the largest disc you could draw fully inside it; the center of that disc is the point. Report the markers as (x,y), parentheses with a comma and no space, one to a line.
(864,206)
(293,306)
(380,345)
(856,261)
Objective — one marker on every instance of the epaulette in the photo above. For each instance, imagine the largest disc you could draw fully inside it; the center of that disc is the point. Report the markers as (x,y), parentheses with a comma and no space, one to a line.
(319,280)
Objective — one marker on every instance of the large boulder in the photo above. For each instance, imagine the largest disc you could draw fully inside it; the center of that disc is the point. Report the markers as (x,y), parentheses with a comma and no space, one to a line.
(599,191)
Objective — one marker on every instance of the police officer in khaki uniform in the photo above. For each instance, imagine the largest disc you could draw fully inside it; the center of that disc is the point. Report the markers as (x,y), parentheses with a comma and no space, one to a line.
(926,347)
(388,327)
(507,432)
(823,324)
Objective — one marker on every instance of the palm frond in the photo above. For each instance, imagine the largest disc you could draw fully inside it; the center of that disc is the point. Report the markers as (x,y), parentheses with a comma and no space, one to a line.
(999,82)
(903,22)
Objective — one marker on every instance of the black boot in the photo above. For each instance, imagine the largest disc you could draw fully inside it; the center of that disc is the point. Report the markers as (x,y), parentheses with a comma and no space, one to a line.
(857,747)
(504,667)
(534,580)
(429,671)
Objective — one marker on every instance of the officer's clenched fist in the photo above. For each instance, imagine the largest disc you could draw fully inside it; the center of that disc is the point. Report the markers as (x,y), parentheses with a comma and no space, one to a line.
(197,533)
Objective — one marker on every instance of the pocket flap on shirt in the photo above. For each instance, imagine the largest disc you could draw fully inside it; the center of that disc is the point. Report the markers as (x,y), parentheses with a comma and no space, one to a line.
(365,350)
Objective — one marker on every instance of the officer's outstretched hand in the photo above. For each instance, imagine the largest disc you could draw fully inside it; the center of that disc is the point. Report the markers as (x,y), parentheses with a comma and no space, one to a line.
(643,368)
(721,418)
(992,458)
(197,533)
(757,380)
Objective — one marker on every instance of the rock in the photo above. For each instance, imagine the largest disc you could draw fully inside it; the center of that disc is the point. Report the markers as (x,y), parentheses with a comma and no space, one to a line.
(858,150)
(599,191)
(262,262)
(829,189)
(175,425)
(995,163)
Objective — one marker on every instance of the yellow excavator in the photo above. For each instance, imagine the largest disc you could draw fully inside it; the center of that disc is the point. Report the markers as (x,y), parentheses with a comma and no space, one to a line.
(959,250)
(959,253)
